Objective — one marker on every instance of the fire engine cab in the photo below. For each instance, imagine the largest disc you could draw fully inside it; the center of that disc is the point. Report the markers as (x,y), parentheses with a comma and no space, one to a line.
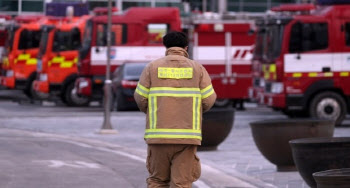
(136,37)
(57,60)
(19,60)
(307,61)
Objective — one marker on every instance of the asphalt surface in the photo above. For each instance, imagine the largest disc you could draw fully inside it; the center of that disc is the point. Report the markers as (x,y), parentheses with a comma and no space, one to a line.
(32,161)
(44,129)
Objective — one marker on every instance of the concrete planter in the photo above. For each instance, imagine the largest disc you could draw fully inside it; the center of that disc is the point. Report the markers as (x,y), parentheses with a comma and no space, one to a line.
(339,178)
(272,137)
(216,125)
(320,154)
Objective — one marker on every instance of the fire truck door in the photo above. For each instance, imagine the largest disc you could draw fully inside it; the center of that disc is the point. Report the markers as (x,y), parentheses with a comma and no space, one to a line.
(308,50)
(344,67)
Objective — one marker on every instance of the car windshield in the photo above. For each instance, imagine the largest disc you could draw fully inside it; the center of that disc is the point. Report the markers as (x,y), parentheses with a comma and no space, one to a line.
(66,40)
(134,70)
(29,39)
(274,38)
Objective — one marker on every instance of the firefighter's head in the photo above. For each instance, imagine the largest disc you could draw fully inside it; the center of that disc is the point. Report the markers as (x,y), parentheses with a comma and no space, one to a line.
(175,39)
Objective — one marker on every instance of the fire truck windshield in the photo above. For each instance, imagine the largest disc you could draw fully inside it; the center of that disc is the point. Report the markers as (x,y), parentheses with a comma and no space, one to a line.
(9,40)
(66,40)
(85,47)
(29,39)
(273,42)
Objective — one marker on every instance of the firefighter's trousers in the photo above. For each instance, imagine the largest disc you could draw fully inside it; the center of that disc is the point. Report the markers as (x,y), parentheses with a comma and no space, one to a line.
(172,165)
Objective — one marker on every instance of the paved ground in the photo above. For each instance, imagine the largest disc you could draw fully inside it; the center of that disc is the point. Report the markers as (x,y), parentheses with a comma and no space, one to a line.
(236,163)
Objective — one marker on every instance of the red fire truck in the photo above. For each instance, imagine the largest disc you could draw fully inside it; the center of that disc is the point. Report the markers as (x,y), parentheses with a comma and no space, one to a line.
(257,87)
(57,60)
(307,64)
(135,38)
(19,60)
(223,46)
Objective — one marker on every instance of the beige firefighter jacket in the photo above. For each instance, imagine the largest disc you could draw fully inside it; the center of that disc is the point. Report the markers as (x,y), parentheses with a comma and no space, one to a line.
(174,91)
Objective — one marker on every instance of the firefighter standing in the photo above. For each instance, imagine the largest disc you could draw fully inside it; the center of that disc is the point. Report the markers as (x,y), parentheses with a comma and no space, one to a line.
(174,91)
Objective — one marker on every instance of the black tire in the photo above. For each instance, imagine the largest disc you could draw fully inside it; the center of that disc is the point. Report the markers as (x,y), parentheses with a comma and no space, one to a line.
(28,90)
(72,99)
(328,105)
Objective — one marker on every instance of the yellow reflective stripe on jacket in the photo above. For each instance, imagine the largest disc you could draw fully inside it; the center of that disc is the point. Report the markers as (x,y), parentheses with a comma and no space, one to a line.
(206,92)
(175,73)
(196,112)
(152,107)
(155,92)
(173,133)
(141,90)
(174,92)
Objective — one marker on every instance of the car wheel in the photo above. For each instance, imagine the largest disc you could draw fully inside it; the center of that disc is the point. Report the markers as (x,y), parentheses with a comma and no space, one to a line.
(72,98)
(328,105)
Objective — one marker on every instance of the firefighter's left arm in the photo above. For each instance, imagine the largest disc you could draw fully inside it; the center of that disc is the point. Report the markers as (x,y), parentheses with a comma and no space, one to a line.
(142,89)
(207,90)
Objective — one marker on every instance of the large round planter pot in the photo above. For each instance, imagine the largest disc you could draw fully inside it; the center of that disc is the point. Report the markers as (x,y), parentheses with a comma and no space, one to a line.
(319,154)
(272,137)
(339,178)
(216,125)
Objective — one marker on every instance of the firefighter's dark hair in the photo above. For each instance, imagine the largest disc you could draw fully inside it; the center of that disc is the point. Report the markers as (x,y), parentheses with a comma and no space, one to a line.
(175,39)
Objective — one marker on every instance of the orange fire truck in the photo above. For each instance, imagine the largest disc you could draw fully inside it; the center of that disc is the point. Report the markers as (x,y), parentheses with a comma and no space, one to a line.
(223,46)
(307,61)
(19,60)
(57,60)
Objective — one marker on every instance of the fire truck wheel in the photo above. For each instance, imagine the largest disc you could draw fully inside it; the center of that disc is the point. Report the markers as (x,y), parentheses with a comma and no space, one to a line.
(222,103)
(72,98)
(328,105)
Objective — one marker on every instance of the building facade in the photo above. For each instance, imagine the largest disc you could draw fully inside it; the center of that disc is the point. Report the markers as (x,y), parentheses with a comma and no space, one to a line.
(15,7)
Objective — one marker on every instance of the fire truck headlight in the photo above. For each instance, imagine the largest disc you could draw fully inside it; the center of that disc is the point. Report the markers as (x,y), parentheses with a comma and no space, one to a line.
(43,77)
(277,87)
(262,82)
(9,73)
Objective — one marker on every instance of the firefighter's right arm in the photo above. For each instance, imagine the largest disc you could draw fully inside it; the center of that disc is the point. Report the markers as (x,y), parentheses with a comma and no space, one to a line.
(142,90)
(207,91)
